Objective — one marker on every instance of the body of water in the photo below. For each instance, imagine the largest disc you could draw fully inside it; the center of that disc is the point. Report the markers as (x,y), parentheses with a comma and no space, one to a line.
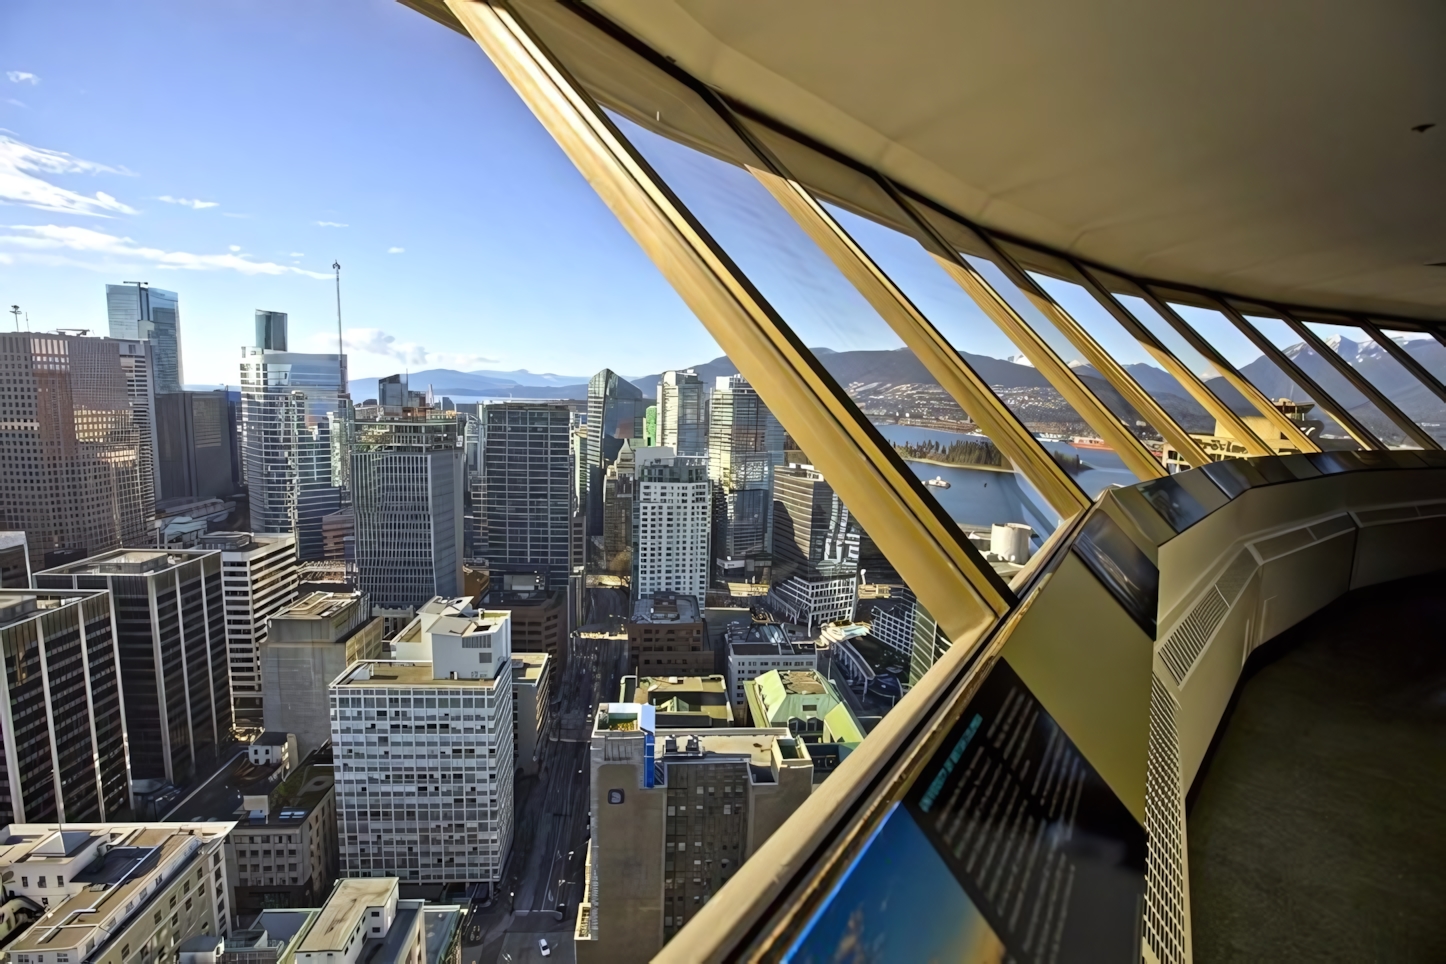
(982,497)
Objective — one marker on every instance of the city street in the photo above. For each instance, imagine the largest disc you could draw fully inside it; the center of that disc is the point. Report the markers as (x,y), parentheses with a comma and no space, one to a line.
(543,882)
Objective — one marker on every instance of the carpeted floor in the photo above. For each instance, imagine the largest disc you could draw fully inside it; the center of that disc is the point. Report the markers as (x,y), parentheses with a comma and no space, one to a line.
(1317,830)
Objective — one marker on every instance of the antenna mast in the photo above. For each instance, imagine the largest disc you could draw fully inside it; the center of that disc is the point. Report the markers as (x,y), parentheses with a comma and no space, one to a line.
(15,310)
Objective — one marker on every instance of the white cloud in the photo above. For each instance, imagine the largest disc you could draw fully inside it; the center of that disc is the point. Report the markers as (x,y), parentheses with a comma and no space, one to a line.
(86,248)
(22,77)
(233,214)
(191,203)
(297,254)
(381,344)
(17,103)
(331,224)
(396,250)
(234,248)
(20,183)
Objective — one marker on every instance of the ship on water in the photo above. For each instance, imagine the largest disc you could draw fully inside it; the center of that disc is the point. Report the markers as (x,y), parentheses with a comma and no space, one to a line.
(938,482)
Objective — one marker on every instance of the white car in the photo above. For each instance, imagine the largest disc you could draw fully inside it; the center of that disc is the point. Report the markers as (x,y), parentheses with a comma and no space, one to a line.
(543,948)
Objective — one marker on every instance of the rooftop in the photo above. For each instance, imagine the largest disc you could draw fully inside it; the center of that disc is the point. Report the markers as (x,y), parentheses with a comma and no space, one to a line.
(320,605)
(528,667)
(666,607)
(131,562)
(17,606)
(290,800)
(344,908)
(382,672)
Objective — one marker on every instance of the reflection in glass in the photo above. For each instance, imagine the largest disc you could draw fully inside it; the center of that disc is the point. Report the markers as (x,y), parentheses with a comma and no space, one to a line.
(1331,381)
(1266,376)
(1429,353)
(1119,564)
(1386,375)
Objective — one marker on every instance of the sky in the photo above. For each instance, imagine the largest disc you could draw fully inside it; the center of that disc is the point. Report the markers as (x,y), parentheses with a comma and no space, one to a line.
(232,150)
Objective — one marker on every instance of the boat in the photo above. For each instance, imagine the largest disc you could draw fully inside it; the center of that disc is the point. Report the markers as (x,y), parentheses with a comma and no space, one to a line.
(937,482)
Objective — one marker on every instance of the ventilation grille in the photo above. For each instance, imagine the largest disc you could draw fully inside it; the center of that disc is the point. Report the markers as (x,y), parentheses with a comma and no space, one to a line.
(1235,576)
(1185,644)
(1165,902)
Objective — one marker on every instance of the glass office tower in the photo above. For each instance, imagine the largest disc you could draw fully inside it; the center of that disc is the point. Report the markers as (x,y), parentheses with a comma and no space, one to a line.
(287,399)
(153,315)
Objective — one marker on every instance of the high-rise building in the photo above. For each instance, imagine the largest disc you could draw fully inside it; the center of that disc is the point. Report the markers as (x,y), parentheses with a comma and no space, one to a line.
(615,413)
(308,644)
(65,742)
(538,612)
(434,802)
(666,635)
(271,330)
(531,693)
(671,525)
(525,489)
(287,399)
(171,626)
(406,477)
(193,445)
(114,892)
(153,315)
(815,549)
(760,648)
(135,359)
(745,442)
(72,472)
(683,413)
(258,573)
(674,815)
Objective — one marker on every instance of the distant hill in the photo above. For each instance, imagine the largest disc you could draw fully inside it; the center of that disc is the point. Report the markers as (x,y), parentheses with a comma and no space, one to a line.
(482,384)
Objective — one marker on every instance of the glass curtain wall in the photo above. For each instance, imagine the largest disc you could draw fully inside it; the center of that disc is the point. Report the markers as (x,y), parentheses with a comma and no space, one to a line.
(1268,378)
(1364,353)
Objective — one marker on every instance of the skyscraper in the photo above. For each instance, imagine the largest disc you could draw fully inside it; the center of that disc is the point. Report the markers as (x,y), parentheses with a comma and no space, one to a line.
(526,489)
(406,476)
(65,747)
(71,469)
(615,412)
(670,525)
(433,803)
(683,413)
(745,442)
(171,628)
(258,571)
(815,549)
(193,445)
(135,360)
(271,330)
(287,399)
(152,315)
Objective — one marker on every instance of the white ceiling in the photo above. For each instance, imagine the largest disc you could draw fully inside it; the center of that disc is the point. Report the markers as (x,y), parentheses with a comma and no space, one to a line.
(1263,149)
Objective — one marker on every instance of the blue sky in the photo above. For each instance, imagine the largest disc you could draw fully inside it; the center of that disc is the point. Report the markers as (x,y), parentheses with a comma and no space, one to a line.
(351,130)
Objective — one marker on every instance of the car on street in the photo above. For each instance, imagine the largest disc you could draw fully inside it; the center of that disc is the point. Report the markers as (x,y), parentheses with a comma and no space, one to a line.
(542,947)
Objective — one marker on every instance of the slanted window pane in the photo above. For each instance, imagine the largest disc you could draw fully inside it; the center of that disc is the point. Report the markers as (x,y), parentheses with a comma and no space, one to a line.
(1266,376)
(1387,376)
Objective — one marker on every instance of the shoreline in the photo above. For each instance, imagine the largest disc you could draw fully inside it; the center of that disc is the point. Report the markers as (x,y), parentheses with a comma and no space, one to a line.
(956,465)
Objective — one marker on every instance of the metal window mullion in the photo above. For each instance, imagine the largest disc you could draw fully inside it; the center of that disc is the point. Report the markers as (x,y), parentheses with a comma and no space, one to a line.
(1188,380)
(942,360)
(1137,458)
(1401,355)
(1289,431)
(1358,381)
(907,524)
(1111,370)
(1364,436)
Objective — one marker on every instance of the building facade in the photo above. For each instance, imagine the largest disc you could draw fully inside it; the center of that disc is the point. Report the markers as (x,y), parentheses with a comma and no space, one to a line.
(193,445)
(423,747)
(308,644)
(531,716)
(762,648)
(73,474)
(116,893)
(745,443)
(675,813)
(524,498)
(406,476)
(64,734)
(171,637)
(14,561)
(152,315)
(666,636)
(683,413)
(815,550)
(616,410)
(287,399)
(259,576)
(135,360)
(671,525)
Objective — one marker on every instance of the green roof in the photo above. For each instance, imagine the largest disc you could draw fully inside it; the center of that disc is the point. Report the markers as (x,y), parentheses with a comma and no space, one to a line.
(775,699)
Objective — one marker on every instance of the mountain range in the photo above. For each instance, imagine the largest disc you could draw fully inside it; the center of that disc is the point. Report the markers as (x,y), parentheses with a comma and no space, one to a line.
(864,371)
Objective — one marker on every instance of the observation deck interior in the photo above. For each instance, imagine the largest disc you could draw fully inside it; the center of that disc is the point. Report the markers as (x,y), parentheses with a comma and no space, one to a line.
(1315,826)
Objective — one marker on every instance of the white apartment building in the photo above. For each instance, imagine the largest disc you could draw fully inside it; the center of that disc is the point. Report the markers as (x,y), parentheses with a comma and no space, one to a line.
(424,750)
(762,648)
(670,524)
(259,576)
